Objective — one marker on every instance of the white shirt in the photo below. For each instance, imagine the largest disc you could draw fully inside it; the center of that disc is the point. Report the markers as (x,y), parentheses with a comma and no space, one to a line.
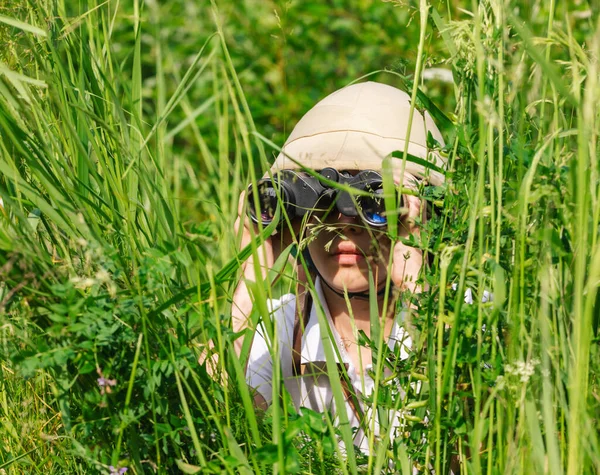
(313,388)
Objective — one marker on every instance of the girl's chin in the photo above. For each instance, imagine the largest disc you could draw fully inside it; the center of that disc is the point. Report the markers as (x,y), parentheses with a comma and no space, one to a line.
(352,284)
(353,279)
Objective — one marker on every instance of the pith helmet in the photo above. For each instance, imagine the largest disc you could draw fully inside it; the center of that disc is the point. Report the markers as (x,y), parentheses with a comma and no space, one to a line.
(356,127)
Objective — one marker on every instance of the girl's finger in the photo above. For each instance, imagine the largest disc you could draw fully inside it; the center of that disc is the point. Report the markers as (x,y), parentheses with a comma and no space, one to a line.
(413,205)
(406,265)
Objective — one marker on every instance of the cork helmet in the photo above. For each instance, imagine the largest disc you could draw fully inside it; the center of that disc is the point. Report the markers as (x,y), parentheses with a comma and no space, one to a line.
(356,127)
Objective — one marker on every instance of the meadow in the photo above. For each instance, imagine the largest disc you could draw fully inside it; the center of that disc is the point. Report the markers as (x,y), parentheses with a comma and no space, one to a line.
(128,130)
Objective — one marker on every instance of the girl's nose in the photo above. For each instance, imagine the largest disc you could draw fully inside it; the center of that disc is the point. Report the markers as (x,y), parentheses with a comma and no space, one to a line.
(350,223)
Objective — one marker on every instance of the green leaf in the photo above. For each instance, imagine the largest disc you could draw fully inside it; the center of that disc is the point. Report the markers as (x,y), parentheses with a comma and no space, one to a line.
(224,274)
(418,161)
(236,451)
(188,468)
(389,193)
(23,26)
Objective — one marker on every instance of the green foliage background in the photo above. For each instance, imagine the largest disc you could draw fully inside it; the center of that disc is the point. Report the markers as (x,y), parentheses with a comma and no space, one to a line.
(128,129)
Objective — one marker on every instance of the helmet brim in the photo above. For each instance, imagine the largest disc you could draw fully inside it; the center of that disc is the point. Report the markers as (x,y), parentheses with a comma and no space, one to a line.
(352,150)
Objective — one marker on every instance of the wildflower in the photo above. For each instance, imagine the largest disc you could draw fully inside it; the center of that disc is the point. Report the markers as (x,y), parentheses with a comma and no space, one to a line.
(469,297)
(83,282)
(545,373)
(486,297)
(521,369)
(105,384)
(117,470)
(102,276)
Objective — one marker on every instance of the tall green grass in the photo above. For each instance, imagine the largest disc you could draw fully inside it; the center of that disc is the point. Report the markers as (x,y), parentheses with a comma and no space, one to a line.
(121,162)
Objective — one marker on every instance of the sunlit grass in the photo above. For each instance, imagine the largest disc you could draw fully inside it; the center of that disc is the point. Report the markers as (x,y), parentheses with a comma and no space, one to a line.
(118,260)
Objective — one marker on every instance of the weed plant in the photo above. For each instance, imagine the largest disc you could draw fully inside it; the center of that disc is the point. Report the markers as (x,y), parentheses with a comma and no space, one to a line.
(125,139)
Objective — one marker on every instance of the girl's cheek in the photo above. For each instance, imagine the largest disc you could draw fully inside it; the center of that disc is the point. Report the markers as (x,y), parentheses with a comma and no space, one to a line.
(381,245)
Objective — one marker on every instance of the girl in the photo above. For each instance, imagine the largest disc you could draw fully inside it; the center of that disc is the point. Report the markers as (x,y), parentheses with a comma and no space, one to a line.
(350,131)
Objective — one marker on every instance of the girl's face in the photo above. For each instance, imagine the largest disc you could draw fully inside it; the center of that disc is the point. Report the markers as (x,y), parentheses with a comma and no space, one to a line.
(343,249)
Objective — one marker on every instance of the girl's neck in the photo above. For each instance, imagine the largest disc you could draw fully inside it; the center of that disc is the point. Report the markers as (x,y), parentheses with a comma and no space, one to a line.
(359,309)
(348,320)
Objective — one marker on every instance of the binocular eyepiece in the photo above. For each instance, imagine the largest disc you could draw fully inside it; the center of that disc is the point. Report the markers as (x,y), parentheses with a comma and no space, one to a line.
(301,193)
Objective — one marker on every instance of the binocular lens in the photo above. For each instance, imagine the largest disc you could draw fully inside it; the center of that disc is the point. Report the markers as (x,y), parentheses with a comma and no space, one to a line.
(373,209)
(267,201)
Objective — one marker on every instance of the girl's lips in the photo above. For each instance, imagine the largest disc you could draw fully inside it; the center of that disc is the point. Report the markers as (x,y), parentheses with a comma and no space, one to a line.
(347,259)
(346,247)
(347,253)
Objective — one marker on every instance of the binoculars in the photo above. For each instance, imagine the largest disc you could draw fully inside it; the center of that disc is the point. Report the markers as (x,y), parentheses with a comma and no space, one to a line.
(301,193)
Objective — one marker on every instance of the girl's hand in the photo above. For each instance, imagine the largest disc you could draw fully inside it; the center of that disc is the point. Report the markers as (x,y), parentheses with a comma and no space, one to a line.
(407,261)
(267,253)
(249,231)
(269,249)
